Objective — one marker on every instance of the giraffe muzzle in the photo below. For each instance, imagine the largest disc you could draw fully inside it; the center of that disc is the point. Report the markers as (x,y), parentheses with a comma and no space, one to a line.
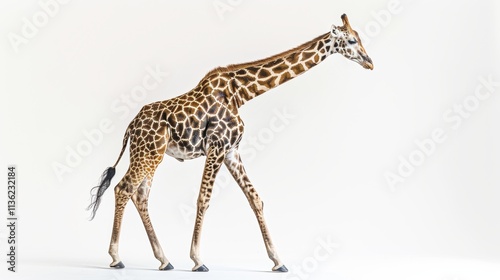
(367,62)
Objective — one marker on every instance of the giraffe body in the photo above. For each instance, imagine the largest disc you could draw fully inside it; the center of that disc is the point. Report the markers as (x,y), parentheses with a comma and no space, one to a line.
(205,122)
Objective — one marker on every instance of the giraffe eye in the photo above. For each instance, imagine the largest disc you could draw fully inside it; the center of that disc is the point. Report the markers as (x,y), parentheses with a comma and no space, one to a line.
(352,41)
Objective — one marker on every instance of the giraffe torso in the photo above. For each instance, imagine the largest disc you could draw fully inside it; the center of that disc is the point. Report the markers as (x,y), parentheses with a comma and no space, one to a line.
(191,122)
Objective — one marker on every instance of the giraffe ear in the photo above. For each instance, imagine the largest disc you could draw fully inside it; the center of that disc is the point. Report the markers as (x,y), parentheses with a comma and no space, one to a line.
(335,31)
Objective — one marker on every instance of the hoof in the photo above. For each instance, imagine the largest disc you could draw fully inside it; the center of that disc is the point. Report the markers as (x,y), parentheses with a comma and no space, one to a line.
(202,268)
(118,265)
(168,267)
(281,269)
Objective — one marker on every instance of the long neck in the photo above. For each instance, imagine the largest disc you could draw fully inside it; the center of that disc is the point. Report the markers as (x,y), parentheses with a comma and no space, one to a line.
(253,79)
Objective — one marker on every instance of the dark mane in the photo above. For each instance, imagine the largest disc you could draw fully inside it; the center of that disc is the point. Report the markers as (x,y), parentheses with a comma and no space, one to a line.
(233,67)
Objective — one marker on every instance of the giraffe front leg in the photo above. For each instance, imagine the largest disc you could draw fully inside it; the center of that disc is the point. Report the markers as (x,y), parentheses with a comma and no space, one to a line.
(195,243)
(237,170)
(212,165)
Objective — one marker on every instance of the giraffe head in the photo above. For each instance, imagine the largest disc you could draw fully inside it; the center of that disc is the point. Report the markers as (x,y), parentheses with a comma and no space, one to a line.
(347,42)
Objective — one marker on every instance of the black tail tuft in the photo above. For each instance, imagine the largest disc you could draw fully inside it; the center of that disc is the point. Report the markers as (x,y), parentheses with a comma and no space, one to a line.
(100,189)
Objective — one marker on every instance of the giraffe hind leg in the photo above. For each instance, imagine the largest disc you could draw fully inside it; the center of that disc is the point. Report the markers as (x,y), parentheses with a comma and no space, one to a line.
(145,156)
(140,199)
(123,191)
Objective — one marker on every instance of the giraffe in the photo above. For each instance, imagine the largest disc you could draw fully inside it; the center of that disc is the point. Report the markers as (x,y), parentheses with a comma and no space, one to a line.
(205,122)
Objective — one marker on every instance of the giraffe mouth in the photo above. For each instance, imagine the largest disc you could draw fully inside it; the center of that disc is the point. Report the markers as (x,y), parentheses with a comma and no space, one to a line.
(367,65)
(366,62)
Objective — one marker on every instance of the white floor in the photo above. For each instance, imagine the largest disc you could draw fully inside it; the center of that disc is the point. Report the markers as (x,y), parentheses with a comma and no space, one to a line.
(415,269)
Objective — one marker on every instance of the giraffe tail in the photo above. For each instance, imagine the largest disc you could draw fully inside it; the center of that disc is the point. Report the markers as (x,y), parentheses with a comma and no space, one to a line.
(99,190)
(105,181)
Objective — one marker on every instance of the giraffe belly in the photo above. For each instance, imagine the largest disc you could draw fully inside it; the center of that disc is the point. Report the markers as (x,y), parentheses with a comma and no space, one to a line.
(182,153)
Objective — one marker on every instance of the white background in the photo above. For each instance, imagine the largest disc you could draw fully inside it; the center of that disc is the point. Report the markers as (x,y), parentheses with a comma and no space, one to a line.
(322,174)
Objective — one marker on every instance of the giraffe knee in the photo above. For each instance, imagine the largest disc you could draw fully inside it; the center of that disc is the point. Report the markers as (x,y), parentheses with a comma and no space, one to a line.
(122,187)
(202,206)
(257,205)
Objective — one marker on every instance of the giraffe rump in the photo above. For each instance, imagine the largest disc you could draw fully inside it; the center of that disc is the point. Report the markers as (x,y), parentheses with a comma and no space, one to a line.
(100,189)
